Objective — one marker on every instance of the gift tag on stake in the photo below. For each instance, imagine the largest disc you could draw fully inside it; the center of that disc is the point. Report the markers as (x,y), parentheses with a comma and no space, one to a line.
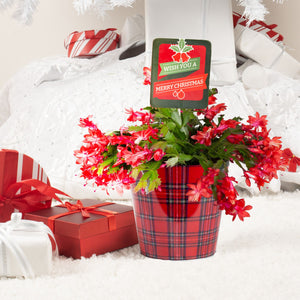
(180,73)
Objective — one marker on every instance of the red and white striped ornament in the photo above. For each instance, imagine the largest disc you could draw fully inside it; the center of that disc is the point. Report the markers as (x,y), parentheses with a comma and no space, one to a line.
(258,26)
(91,42)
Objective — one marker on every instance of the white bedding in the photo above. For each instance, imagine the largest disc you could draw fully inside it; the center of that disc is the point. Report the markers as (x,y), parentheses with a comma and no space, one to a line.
(41,106)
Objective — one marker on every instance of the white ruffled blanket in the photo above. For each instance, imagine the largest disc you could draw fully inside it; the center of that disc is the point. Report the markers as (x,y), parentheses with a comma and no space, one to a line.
(41,106)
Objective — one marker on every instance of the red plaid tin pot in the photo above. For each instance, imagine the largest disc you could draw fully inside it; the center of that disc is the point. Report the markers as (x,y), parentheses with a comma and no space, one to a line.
(170,227)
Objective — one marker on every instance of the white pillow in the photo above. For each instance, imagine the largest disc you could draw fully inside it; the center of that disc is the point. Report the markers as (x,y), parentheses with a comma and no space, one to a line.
(133,30)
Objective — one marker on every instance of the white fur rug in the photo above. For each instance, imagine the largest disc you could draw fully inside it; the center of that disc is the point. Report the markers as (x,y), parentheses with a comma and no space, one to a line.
(255,259)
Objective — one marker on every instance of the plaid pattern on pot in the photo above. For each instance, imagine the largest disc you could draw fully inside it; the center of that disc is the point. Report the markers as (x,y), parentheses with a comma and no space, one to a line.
(170,227)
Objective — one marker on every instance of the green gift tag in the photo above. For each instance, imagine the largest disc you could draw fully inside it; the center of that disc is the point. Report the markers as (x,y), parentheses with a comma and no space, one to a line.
(180,73)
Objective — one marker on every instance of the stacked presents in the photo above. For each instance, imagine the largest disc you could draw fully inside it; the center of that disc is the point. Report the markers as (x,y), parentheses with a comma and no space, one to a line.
(81,228)
(261,43)
(254,40)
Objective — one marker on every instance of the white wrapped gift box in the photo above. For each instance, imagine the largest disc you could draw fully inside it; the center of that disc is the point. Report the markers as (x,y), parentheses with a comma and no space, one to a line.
(25,248)
(255,43)
(195,19)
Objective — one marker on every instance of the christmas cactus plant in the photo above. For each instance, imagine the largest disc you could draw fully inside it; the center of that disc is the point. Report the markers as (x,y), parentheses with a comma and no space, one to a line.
(166,137)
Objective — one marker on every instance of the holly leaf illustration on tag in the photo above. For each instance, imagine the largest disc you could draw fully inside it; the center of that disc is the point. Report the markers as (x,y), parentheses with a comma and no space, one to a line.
(181,44)
(187,49)
(175,48)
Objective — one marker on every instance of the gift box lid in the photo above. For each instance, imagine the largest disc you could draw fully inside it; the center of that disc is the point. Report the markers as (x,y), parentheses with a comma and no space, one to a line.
(75,225)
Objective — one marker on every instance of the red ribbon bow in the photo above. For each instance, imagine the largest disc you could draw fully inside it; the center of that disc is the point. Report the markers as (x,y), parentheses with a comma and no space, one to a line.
(294,160)
(77,207)
(25,201)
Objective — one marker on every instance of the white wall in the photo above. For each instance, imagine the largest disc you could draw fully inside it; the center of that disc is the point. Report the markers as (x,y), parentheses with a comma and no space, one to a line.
(55,19)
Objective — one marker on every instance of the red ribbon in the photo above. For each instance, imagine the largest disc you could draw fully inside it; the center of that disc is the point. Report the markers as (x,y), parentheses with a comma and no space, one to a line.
(85,211)
(294,160)
(237,17)
(244,22)
(271,26)
(77,207)
(25,201)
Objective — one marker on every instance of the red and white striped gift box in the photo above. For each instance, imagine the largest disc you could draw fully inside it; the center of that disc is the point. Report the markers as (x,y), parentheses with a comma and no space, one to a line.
(259,42)
(91,42)
(15,167)
(258,26)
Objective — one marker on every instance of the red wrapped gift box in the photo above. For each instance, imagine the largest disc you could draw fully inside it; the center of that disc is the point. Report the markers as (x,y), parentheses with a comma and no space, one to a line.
(90,43)
(17,167)
(108,227)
